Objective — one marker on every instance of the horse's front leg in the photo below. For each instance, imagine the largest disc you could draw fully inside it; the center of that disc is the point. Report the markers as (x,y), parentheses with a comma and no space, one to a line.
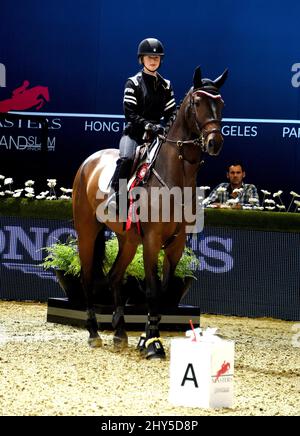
(125,256)
(150,343)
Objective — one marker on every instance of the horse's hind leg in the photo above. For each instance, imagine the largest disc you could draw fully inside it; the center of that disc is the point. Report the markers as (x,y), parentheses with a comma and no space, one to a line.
(173,253)
(125,255)
(86,245)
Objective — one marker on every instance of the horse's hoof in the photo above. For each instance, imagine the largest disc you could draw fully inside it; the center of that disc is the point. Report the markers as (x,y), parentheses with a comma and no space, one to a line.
(95,342)
(155,349)
(120,341)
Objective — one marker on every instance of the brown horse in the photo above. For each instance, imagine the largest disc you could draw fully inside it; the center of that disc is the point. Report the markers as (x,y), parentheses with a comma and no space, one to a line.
(196,130)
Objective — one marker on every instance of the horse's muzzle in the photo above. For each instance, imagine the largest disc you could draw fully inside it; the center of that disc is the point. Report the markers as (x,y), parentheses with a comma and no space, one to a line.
(214,144)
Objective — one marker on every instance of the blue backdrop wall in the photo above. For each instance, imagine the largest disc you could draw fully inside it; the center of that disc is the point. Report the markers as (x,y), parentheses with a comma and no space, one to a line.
(81,53)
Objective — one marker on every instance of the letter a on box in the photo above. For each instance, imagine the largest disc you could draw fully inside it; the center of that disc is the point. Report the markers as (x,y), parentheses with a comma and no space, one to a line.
(198,375)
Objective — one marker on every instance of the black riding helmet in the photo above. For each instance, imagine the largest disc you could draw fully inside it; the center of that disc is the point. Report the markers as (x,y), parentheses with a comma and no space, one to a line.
(150,47)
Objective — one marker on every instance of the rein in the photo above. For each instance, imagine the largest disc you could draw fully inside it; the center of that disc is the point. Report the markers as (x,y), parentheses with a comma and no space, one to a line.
(198,142)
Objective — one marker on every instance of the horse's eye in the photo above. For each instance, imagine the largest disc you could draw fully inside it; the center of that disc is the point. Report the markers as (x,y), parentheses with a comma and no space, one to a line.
(197,101)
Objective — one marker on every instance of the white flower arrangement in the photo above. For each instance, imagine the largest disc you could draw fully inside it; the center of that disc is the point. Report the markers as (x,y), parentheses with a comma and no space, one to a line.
(253,200)
(66,190)
(8,181)
(277,194)
(268,204)
(265,192)
(237,190)
(232,201)
(294,195)
(28,191)
(51,183)
(17,194)
(297,203)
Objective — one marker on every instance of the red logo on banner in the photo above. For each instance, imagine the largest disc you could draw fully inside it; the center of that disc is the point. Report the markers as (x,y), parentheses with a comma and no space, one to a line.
(23,98)
(224,368)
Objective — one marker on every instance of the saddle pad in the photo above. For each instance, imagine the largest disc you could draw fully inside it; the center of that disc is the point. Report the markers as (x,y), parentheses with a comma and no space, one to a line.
(147,159)
(107,166)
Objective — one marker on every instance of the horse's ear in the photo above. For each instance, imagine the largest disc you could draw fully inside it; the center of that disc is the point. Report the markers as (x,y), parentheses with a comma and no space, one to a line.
(197,79)
(221,79)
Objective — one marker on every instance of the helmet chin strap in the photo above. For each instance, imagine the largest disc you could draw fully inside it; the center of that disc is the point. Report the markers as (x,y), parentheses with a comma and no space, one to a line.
(147,70)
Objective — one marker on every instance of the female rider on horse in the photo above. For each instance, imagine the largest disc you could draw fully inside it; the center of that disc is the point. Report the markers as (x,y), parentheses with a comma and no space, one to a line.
(148,97)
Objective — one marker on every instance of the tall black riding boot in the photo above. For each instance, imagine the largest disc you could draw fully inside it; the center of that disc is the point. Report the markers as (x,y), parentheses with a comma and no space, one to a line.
(122,171)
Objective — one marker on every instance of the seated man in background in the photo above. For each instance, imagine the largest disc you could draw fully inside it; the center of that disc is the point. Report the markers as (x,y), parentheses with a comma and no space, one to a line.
(236,193)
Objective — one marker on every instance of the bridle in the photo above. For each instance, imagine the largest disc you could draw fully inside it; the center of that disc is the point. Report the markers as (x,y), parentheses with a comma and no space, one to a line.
(203,132)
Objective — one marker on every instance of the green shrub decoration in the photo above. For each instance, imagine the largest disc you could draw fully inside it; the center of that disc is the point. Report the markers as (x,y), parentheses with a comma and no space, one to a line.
(64,256)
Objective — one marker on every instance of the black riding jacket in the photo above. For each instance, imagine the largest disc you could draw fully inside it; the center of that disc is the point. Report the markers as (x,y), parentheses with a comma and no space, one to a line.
(147,99)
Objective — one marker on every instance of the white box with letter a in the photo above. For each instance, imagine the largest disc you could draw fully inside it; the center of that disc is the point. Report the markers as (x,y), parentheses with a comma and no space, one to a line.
(201,373)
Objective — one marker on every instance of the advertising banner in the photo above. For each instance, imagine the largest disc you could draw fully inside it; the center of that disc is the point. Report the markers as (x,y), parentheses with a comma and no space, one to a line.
(68,65)
(241,272)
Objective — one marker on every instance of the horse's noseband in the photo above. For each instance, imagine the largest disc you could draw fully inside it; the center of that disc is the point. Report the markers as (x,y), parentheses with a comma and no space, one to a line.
(205,132)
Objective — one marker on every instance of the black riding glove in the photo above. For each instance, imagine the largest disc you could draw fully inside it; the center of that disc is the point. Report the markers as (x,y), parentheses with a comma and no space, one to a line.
(160,130)
(154,129)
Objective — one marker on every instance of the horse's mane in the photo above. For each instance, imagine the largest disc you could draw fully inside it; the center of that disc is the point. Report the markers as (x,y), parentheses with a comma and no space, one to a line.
(173,118)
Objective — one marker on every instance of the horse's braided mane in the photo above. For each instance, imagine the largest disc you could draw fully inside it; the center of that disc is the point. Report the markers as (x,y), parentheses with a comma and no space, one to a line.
(174,116)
